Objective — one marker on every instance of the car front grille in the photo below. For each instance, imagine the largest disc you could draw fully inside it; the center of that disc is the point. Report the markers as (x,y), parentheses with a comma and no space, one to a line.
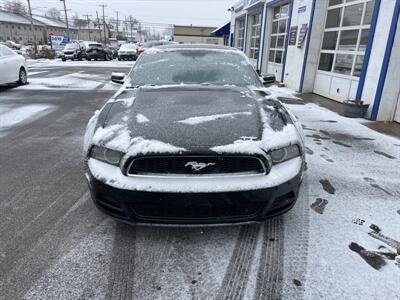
(196,165)
(69,53)
(195,207)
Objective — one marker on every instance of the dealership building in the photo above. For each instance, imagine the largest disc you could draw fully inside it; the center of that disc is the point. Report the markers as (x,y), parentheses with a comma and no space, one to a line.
(339,49)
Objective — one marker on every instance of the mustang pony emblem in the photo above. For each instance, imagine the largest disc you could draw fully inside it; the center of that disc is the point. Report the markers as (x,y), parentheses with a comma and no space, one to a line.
(198,166)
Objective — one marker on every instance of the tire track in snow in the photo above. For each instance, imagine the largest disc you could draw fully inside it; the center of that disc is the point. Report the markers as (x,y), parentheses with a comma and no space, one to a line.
(237,274)
(122,271)
(270,272)
(296,232)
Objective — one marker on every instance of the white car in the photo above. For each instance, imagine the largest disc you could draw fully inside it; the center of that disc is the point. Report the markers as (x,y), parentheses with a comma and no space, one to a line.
(13,67)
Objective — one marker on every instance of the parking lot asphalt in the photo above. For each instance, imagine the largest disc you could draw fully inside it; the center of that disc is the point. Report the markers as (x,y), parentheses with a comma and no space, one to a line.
(54,244)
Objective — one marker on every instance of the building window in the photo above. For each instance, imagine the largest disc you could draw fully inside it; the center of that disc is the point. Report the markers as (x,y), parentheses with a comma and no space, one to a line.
(240,34)
(255,34)
(278,34)
(345,37)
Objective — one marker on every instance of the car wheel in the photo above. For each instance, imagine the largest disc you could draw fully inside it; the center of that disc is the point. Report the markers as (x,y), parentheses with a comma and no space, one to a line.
(63,59)
(23,78)
(119,59)
(89,59)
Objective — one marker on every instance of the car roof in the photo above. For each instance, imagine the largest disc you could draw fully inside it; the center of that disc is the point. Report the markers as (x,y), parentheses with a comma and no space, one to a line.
(197,46)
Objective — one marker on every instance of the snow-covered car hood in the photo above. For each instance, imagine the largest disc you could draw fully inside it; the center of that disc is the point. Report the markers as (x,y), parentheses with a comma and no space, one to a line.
(194,118)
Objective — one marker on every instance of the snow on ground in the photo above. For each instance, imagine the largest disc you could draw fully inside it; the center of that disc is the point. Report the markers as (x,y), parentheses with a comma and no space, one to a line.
(353,181)
(73,81)
(46,63)
(11,115)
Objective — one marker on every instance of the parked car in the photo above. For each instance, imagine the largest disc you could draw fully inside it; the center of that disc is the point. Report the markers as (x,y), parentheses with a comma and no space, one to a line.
(73,51)
(128,52)
(97,51)
(152,44)
(230,155)
(13,67)
(16,50)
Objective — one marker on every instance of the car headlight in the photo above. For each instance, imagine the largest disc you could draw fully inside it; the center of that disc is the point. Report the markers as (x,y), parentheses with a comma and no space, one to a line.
(106,155)
(284,154)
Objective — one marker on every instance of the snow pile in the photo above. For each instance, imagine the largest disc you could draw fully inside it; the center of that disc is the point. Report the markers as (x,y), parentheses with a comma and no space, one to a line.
(203,119)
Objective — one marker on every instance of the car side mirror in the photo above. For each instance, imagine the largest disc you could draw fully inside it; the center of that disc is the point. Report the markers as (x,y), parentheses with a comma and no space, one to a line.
(118,78)
(268,79)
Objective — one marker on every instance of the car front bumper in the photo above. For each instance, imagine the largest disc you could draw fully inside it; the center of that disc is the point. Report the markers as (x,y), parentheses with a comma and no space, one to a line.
(95,55)
(127,56)
(224,206)
(69,56)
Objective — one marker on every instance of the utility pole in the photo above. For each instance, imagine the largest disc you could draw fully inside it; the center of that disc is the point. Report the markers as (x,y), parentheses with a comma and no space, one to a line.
(104,23)
(32,28)
(66,17)
(98,24)
(88,24)
(117,26)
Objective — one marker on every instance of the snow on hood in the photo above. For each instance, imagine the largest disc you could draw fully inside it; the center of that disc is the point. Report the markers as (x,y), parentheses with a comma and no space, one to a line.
(129,129)
(118,137)
(203,119)
(141,118)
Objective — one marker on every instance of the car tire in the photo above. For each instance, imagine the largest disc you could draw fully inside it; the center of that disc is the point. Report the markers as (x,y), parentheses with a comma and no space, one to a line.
(119,59)
(23,77)
(63,59)
(89,59)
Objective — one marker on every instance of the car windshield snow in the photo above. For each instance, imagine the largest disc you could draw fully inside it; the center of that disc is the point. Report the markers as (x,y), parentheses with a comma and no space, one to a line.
(194,67)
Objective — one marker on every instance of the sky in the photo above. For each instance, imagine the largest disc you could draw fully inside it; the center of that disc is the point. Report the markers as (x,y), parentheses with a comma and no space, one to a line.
(179,12)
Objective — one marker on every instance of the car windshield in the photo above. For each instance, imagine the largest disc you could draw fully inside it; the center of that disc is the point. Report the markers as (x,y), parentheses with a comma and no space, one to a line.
(128,47)
(191,66)
(71,47)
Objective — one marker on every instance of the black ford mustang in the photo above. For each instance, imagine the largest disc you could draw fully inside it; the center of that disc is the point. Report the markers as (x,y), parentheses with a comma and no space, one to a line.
(193,137)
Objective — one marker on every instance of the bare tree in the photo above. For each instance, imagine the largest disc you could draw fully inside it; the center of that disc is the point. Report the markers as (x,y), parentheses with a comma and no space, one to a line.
(16,7)
(54,13)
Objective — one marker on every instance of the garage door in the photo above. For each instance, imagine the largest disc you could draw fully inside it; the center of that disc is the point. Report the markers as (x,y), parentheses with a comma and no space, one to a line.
(397,113)
(343,47)
(277,40)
